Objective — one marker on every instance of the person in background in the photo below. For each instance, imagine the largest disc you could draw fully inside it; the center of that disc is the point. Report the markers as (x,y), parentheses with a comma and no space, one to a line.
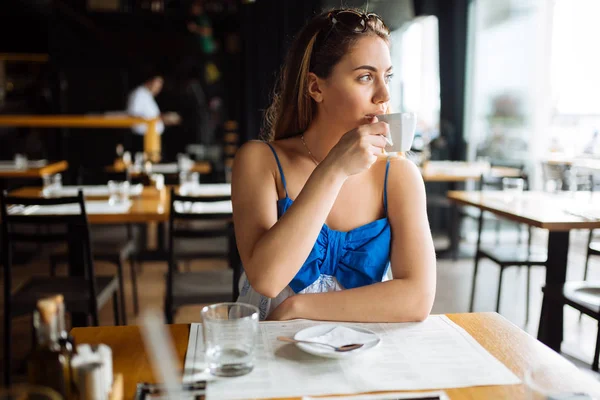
(201,26)
(328,227)
(141,103)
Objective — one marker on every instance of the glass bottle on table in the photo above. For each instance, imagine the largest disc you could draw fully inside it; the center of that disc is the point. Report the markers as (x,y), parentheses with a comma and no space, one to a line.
(67,345)
(47,365)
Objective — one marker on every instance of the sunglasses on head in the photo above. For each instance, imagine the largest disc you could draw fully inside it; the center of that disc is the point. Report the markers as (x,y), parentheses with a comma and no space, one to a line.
(352,20)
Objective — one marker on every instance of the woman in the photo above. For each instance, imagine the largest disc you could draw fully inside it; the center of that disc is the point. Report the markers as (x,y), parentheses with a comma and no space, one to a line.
(318,209)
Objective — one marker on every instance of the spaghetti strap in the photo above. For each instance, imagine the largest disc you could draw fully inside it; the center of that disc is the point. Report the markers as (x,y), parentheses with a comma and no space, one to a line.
(280,169)
(387,168)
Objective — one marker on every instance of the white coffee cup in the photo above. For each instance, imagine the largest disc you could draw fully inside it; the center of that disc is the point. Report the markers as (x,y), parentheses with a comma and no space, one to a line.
(402,130)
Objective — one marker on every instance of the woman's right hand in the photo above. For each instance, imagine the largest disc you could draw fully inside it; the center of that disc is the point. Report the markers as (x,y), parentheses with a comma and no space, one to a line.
(359,148)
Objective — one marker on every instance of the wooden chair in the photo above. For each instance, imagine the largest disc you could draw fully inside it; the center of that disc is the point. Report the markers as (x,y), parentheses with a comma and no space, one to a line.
(210,286)
(117,249)
(83,294)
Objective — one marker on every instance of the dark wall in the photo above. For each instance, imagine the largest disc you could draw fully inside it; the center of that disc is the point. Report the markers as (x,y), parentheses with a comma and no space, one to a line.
(268,27)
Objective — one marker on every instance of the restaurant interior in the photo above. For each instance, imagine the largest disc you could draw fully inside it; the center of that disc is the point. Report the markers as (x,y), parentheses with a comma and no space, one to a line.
(120,121)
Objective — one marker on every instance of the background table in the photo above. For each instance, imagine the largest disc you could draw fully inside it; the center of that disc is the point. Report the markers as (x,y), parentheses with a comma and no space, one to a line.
(50,168)
(547,211)
(152,145)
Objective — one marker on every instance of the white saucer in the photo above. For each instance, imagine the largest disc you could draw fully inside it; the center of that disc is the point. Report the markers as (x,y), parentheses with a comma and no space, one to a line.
(369,338)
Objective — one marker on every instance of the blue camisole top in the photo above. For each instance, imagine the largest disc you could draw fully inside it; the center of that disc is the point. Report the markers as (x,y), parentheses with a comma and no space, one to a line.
(338,260)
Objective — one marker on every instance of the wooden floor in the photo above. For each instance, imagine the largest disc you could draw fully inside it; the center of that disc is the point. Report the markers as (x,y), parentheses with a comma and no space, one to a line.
(453,291)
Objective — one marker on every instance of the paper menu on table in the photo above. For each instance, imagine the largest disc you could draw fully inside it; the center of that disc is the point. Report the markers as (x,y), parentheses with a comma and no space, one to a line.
(434,354)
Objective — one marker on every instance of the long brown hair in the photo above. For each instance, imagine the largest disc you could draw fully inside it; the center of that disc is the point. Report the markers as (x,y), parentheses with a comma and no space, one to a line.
(317,48)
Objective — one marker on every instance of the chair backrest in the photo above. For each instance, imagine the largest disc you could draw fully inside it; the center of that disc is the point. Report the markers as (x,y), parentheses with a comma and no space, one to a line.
(489,181)
(185,210)
(22,218)
(553,173)
(493,182)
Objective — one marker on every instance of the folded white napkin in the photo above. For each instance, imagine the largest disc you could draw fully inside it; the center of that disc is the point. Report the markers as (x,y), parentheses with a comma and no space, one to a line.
(341,335)
(93,190)
(217,207)
(91,207)
(205,189)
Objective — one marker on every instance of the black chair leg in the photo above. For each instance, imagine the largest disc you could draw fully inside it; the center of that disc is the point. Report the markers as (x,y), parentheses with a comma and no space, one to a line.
(115,302)
(136,306)
(7,347)
(53,265)
(94,316)
(597,350)
(168,313)
(121,290)
(527,294)
(587,262)
(585,272)
(497,224)
(499,289)
(474,283)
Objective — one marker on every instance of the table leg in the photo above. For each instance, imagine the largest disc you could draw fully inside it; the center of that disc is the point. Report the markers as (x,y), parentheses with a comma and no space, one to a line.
(454,231)
(76,262)
(550,330)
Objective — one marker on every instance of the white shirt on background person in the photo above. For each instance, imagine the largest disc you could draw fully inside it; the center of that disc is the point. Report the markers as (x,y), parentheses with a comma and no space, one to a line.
(141,103)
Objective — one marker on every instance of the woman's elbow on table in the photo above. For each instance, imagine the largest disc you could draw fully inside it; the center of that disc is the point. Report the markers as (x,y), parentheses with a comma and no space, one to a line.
(418,308)
(424,305)
(264,285)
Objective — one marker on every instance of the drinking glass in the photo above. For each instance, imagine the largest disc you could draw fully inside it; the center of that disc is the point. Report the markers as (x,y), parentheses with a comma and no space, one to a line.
(57,181)
(118,192)
(20,161)
(139,161)
(184,162)
(512,187)
(124,191)
(47,182)
(230,334)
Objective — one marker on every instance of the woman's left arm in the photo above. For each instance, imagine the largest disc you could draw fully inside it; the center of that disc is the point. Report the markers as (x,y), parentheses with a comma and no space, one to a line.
(409,295)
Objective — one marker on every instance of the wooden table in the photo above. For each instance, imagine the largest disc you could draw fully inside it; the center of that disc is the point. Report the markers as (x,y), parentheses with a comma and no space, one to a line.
(201,167)
(505,341)
(35,172)
(546,211)
(151,206)
(463,171)
(152,145)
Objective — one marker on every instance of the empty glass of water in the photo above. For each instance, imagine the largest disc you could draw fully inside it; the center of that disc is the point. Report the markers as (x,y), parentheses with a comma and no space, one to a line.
(20,161)
(230,334)
(118,192)
(512,187)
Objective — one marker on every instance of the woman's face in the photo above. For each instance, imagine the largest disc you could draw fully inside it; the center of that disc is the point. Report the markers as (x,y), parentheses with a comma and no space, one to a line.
(358,85)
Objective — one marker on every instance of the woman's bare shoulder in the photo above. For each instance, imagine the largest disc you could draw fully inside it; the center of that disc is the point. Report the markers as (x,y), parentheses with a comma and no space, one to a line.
(259,148)
(405,170)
